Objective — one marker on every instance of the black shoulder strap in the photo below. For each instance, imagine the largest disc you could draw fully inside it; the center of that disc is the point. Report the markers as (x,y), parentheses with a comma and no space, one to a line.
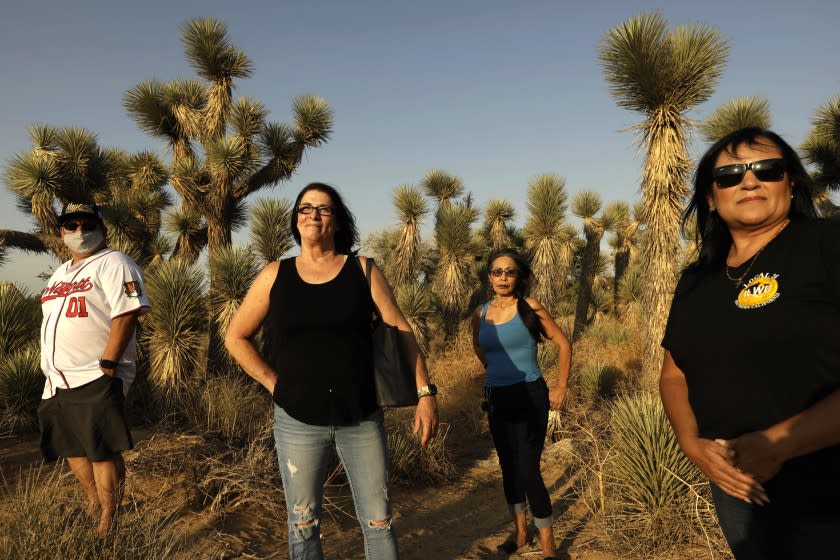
(366,271)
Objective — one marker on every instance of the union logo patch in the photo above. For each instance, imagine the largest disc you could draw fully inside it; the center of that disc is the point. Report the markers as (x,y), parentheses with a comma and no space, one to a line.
(761,289)
(132,289)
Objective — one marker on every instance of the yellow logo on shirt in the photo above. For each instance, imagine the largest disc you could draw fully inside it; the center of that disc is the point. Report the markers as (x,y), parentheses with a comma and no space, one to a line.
(759,291)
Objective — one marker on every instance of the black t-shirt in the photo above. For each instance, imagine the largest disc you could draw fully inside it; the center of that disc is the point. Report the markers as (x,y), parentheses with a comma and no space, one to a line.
(753,356)
(317,337)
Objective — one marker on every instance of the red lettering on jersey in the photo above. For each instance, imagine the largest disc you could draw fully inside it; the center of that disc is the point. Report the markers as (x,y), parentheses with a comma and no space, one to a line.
(76,307)
(64,289)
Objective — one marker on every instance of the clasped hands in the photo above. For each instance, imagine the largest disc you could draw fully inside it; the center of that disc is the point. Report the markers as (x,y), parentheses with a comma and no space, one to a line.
(738,466)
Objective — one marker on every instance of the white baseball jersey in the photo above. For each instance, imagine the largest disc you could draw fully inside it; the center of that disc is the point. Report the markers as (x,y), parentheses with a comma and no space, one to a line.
(78,304)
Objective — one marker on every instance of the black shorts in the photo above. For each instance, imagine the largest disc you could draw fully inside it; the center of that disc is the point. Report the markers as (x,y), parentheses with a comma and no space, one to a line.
(86,421)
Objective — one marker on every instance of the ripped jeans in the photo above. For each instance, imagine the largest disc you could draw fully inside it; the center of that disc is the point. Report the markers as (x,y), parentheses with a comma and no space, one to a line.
(303,451)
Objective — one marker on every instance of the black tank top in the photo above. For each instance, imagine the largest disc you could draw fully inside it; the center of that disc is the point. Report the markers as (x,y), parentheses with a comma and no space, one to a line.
(317,337)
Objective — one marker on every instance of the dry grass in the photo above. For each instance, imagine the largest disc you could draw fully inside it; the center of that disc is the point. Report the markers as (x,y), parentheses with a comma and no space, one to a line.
(43,518)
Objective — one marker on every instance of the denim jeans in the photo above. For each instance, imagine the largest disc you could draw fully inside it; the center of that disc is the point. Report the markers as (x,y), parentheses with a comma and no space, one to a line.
(304,450)
(775,531)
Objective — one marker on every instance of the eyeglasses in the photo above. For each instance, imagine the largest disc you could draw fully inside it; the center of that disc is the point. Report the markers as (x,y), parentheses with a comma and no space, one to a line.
(764,170)
(309,209)
(499,272)
(73,226)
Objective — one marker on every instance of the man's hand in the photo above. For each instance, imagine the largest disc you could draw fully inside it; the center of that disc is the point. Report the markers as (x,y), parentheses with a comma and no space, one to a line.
(754,453)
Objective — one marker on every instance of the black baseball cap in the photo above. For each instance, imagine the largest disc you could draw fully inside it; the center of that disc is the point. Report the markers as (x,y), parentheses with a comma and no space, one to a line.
(79,210)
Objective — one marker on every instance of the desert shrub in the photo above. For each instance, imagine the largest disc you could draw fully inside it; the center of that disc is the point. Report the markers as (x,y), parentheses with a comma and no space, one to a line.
(594,382)
(20,318)
(409,461)
(175,332)
(43,519)
(21,385)
(651,497)
(609,332)
(234,407)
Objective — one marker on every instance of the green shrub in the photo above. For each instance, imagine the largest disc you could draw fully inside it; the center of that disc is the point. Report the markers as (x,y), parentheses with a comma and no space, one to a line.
(20,318)
(21,385)
(594,382)
(409,461)
(234,407)
(650,482)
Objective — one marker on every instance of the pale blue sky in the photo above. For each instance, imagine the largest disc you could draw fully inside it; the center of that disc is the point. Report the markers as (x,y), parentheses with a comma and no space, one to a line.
(495,92)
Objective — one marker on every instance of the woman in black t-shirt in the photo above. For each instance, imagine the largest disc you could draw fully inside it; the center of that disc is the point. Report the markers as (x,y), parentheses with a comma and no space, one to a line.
(751,377)
(317,363)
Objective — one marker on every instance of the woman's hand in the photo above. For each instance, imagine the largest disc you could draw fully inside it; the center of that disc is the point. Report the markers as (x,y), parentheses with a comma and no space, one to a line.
(754,453)
(714,458)
(425,419)
(556,396)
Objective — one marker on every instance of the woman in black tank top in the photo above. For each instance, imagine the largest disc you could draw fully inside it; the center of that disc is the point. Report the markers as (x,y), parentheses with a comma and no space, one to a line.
(315,310)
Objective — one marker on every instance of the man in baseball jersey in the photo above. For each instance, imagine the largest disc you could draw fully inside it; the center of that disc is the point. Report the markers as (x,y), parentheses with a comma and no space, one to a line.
(88,349)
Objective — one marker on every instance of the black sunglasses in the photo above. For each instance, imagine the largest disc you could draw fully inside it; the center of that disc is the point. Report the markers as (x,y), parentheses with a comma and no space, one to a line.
(73,226)
(498,272)
(764,170)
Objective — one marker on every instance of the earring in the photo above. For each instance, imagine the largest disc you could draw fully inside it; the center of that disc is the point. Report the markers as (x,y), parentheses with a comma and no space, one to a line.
(711,207)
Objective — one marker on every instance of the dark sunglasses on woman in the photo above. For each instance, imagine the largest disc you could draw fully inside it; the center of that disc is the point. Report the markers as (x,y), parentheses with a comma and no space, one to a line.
(764,170)
(498,272)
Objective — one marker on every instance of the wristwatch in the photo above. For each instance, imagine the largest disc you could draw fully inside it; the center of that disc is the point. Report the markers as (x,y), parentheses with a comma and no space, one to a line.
(427,390)
(108,364)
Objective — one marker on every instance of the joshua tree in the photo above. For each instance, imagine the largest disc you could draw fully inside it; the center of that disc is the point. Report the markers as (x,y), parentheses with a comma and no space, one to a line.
(443,187)
(404,262)
(497,223)
(661,74)
(240,153)
(548,238)
(624,244)
(822,150)
(67,164)
(735,115)
(271,236)
(586,205)
(453,279)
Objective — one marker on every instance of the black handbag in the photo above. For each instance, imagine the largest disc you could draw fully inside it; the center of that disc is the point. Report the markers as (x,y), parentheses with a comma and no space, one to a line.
(394,378)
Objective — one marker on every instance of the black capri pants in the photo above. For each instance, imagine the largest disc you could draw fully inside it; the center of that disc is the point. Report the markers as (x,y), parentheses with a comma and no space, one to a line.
(518,418)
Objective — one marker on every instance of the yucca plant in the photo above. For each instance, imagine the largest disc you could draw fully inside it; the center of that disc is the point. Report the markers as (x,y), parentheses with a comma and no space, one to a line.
(734,115)
(498,217)
(661,74)
(444,187)
(232,271)
(234,407)
(189,230)
(20,318)
(594,382)
(453,283)
(29,242)
(21,385)
(586,205)
(271,236)
(548,238)
(411,209)
(410,462)
(415,301)
(649,477)
(175,331)
(624,244)
(822,150)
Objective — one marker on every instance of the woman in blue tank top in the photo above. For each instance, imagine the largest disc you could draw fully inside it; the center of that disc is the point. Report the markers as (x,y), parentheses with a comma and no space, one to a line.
(506,331)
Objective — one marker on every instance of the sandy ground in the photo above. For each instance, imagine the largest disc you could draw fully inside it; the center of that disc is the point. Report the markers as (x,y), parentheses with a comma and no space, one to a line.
(464,519)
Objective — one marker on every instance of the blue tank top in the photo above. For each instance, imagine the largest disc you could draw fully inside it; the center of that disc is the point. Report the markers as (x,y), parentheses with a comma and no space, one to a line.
(510,350)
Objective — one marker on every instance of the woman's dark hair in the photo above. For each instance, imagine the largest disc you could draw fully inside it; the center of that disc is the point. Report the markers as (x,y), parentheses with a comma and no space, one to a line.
(712,235)
(521,289)
(346,233)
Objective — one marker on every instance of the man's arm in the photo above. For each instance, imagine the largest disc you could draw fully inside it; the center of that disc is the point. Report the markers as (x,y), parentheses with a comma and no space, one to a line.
(121,332)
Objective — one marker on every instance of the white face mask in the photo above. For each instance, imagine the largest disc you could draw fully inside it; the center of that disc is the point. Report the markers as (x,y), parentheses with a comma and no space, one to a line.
(83,242)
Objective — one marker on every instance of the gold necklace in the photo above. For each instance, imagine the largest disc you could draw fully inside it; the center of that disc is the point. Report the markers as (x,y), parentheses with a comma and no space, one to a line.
(739,279)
